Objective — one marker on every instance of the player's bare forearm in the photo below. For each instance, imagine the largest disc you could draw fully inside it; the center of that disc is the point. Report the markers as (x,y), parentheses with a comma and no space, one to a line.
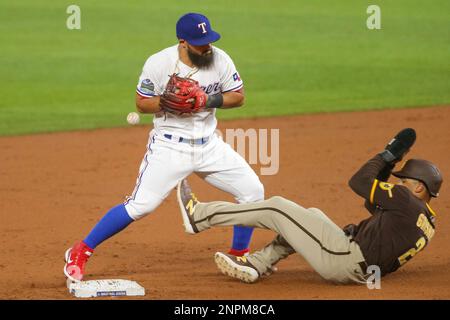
(233,99)
(147,105)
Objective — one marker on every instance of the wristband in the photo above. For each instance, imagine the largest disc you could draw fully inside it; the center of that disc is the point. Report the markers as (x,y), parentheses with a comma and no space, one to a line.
(214,101)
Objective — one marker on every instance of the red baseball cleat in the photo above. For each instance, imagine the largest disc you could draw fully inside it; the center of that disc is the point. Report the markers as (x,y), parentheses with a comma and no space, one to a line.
(76,258)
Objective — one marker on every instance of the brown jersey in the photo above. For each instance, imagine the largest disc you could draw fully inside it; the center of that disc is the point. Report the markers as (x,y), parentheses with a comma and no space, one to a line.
(401,224)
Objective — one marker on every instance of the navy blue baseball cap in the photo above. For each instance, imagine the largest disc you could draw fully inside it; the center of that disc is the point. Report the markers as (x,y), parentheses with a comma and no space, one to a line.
(196,29)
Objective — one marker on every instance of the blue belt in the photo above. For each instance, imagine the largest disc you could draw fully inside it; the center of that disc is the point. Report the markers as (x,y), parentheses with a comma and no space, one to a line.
(189,141)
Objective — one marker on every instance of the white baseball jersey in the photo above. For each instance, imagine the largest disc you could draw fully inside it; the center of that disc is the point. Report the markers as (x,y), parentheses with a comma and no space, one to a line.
(221,77)
(168,160)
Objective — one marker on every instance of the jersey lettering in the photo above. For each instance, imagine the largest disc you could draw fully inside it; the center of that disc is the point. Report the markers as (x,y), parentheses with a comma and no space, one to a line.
(425,226)
(211,88)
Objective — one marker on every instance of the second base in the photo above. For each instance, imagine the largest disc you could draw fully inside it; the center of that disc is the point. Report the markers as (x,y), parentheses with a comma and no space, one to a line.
(102,288)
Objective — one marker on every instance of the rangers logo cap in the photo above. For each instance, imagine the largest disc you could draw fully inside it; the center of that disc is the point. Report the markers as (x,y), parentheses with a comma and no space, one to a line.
(195,28)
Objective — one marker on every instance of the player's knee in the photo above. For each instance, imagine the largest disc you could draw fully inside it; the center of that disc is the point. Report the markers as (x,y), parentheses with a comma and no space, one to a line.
(254,192)
(139,209)
(276,201)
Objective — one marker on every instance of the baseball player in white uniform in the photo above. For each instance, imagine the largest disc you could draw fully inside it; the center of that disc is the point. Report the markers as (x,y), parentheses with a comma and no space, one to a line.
(181,144)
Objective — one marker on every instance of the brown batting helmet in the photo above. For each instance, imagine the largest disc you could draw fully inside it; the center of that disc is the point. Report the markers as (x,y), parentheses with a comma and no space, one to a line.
(424,171)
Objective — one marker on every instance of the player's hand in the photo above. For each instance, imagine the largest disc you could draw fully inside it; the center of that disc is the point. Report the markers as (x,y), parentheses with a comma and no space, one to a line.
(199,100)
(399,146)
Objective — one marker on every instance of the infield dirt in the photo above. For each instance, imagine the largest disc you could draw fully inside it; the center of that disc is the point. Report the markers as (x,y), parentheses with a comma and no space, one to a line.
(55,187)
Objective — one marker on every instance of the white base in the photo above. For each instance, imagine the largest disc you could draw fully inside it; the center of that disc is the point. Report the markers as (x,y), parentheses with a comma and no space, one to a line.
(102,288)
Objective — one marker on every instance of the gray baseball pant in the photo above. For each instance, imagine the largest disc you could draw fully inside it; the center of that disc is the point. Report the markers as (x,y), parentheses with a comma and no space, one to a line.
(307,231)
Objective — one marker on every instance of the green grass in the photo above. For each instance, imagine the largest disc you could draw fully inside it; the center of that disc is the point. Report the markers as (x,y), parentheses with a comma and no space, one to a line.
(294,56)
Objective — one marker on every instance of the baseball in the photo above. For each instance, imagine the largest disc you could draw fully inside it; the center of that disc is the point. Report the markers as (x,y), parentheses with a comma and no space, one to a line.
(133,118)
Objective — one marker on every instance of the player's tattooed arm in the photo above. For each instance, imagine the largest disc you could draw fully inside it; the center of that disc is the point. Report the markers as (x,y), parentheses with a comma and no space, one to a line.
(147,105)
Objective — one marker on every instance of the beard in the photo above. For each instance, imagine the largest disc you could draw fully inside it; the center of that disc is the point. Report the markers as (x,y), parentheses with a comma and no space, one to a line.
(201,61)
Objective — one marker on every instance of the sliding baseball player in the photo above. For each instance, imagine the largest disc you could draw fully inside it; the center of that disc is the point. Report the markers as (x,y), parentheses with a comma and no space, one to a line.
(401,222)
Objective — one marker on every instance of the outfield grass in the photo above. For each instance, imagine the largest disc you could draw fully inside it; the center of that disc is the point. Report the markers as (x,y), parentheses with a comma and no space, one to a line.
(294,56)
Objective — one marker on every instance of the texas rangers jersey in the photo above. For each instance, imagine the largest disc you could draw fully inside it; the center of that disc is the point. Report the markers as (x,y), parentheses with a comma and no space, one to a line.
(221,77)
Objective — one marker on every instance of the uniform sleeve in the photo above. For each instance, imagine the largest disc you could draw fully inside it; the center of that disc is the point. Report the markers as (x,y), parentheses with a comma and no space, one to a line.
(149,84)
(229,76)
(365,183)
(370,207)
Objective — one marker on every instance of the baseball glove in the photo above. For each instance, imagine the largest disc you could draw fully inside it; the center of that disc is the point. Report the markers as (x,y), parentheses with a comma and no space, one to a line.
(182,95)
